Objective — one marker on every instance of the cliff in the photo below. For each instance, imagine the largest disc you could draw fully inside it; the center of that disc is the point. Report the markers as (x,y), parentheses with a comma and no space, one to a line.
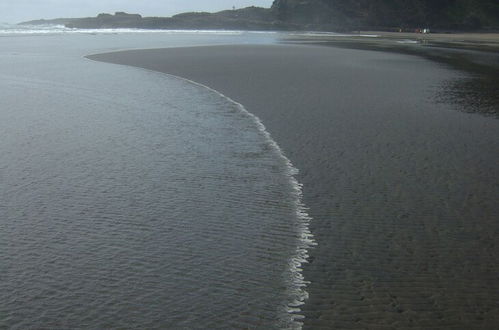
(332,15)
(251,18)
(383,14)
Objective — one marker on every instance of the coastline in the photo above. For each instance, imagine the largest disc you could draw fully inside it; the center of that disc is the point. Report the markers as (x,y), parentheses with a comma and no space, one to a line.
(400,188)
(474,53)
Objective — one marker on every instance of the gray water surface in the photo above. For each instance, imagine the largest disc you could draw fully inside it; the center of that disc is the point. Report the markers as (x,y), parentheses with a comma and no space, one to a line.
(132,199)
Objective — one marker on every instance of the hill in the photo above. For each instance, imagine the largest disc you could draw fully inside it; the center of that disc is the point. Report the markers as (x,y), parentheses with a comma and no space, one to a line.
(383,14)
(250,18)
(331,15)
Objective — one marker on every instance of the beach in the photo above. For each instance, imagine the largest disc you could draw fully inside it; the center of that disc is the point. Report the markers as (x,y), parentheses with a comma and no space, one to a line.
(474,53)
(130,199)
(400,182)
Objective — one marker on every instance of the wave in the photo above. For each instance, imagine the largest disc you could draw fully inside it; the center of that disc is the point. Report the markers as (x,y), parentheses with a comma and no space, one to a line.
(10,29)
(290,318)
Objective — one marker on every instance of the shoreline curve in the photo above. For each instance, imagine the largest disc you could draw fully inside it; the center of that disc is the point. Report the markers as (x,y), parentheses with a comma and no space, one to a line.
(400,186)
(297,292)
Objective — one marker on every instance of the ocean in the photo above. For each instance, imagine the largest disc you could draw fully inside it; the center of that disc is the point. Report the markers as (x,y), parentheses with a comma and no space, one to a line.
(135,199)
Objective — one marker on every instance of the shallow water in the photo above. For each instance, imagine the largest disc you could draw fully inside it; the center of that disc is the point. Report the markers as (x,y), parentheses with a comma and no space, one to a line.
(401,185)
(134,199)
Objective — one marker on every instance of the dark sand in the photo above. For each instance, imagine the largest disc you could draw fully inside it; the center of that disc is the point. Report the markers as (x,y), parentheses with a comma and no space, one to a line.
(402,189)
(476,54)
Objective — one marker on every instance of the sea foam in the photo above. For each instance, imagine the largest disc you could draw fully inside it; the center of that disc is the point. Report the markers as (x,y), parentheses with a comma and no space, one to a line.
(290,313)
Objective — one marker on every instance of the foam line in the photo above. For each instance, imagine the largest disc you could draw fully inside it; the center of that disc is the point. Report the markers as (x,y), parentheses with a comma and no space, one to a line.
(298,294)
(291,317)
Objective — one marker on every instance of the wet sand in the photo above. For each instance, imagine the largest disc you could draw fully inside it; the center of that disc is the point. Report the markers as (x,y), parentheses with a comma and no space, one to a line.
(477,41)
(401,185)
(474,53)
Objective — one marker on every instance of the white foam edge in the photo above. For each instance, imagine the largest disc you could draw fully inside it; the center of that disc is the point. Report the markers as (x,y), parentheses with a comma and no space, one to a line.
(61,29)
(305,237)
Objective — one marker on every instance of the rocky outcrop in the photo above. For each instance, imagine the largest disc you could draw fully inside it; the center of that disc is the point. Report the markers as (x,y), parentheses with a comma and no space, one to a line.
(103,20)
(332,15)
(251,18)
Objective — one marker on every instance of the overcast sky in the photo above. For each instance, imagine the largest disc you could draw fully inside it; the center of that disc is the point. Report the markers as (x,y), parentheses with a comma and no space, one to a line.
(14,11)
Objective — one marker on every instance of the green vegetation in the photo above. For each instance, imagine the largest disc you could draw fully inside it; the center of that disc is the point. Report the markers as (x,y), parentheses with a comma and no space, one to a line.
(395,14)
(251,18)
(332,15)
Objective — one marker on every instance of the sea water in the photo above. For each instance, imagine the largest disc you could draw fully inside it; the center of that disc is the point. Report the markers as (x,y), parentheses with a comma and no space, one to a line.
(134,199)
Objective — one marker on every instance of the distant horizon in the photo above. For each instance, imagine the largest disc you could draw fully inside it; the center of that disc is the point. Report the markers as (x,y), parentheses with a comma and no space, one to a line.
(13,12)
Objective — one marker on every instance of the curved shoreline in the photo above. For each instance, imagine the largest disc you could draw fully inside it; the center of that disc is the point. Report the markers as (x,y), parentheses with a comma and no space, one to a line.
(297,291)
(400,188)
